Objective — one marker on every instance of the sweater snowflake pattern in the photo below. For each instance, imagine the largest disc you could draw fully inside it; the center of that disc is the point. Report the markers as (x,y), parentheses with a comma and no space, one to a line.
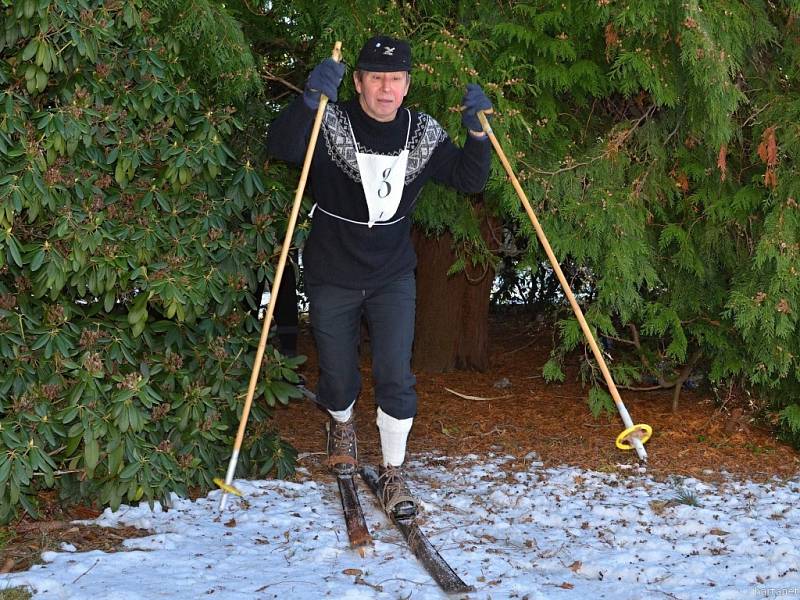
(350,254)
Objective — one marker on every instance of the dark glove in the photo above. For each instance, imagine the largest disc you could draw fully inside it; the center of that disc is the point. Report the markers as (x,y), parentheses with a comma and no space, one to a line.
(324,79)
(474,100)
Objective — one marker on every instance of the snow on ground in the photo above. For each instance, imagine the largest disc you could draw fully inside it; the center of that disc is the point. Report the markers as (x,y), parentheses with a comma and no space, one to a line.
(531,533)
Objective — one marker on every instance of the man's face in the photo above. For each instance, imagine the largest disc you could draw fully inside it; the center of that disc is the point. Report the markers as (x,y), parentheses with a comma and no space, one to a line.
(381,94)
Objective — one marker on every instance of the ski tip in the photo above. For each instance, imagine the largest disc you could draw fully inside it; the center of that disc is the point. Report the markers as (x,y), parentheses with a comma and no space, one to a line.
(361,541)
(307,393)
(362,547)
(226,487)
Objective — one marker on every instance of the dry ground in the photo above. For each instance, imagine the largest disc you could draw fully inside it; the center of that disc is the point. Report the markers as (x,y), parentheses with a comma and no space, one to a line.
(519,413)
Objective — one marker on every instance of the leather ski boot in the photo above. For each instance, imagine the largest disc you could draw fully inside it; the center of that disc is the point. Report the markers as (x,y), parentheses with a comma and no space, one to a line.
(395,495)
(342,446)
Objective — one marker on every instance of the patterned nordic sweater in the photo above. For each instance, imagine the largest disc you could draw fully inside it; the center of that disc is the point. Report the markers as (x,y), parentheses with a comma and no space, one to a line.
(351,255)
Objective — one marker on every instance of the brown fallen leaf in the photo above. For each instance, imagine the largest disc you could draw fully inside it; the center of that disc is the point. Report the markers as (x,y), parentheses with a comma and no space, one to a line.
(374,586)
(355,572)
(576,566)
(231,523)
(659,506)
(7,566)
(566,585)
(42,526)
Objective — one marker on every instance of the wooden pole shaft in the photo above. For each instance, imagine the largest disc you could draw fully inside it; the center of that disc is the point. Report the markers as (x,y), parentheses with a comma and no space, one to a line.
(587,332)
(276,283)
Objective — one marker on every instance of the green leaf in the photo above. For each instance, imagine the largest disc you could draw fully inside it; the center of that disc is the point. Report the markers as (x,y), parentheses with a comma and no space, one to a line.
(13,249)
(37,260)
(284,391)
(5,469)
(115,457)
(138,328)
(10,438)
(29,504)
(41,80)
(129,471)
(91,455)
(109,300)
(69,415)
(123,421)
(30,49)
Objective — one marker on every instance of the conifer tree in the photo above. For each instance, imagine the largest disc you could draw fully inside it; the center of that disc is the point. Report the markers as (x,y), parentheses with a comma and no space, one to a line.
(657,142)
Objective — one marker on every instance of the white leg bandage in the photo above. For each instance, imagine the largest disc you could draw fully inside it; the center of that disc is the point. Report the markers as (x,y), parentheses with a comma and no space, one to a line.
(394,433)
(342,416)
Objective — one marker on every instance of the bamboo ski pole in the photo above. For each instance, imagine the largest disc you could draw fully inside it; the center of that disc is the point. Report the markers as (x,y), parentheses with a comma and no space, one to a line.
(634,435)
(276,284)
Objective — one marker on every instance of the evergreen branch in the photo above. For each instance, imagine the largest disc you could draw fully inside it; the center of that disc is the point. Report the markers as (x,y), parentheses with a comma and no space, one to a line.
(662,383)
(620,340)
(617,144)
(677,126)
(676,384)
(639,181)
(758,112)
(565,169)
(588,120)
(254,12)
(683,376)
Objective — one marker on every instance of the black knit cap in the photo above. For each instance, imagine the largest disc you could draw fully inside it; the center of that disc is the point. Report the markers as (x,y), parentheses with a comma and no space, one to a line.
(384,54)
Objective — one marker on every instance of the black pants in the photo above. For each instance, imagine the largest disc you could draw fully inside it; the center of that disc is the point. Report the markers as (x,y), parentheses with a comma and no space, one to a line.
(285,312)
(336,322)
(286,318)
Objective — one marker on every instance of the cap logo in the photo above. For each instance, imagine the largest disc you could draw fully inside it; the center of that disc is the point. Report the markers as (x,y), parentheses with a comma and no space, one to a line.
(382,54)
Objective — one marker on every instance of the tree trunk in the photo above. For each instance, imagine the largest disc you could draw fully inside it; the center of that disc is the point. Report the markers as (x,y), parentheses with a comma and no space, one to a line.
(452,312)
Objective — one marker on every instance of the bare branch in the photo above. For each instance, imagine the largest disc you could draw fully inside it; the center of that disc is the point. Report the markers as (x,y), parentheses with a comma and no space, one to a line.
(270,77)
(466,397)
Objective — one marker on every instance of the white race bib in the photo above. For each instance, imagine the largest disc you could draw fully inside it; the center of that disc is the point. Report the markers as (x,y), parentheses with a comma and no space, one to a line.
(383,179)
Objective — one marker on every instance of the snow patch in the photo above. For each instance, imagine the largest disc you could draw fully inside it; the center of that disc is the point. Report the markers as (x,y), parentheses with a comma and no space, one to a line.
(540,533)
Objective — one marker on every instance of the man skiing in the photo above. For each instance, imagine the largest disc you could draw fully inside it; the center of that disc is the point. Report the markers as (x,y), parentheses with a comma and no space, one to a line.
(368,168)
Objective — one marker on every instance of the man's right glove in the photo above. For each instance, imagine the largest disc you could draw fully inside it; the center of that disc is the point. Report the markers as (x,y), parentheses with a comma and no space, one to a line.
(324,79)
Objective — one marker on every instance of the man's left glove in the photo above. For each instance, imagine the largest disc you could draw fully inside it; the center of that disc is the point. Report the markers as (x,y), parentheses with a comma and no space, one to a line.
(324,79)
(474,101)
